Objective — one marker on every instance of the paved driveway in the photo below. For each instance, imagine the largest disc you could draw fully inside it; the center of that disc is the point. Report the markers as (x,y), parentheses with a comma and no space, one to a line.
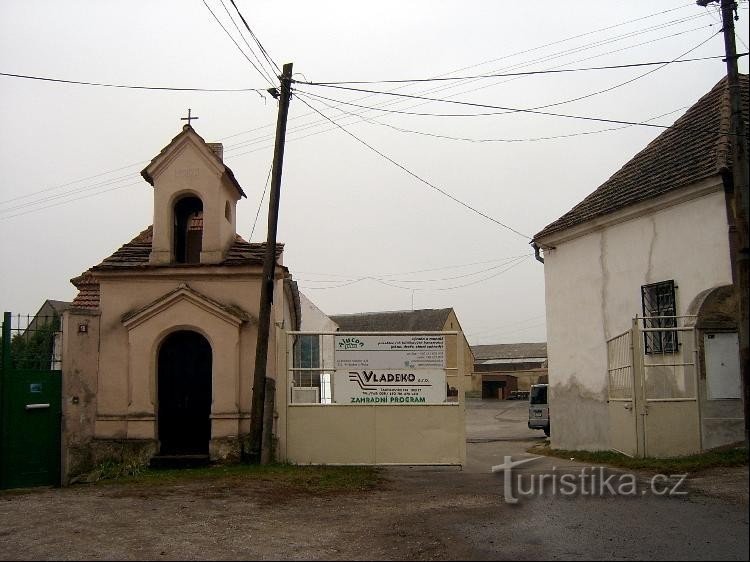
(417,513)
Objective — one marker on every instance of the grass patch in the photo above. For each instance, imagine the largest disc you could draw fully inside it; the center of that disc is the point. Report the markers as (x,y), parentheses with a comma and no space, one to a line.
(716,458)
(311,479)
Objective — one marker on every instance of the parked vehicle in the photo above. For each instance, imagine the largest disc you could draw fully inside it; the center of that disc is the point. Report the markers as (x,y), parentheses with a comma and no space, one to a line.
(539,408)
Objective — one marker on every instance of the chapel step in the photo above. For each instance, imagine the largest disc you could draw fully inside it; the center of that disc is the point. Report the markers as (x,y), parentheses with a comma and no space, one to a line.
(179,461)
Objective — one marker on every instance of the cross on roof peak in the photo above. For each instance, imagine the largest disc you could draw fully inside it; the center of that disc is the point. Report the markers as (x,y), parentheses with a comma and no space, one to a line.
(189,117)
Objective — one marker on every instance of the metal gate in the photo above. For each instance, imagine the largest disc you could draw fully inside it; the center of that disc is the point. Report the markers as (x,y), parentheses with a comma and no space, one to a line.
(653,388)
(30,401)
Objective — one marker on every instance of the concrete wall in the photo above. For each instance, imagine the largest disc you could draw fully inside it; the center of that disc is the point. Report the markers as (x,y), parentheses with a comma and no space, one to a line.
(593,276)
(341,434)
(80,366)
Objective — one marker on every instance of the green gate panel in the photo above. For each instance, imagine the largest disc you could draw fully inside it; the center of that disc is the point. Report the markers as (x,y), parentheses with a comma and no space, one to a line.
(31,424)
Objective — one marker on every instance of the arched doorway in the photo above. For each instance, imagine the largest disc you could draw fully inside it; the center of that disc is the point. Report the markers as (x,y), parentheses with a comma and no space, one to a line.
(184,394)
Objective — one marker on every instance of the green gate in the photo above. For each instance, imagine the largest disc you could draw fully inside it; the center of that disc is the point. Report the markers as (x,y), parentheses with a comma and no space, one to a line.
(30,401)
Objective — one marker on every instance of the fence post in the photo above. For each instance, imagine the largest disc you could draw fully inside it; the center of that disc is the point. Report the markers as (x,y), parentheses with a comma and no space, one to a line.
(639,389)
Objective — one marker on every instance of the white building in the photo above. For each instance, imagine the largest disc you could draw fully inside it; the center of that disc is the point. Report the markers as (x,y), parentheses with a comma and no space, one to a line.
(653,240)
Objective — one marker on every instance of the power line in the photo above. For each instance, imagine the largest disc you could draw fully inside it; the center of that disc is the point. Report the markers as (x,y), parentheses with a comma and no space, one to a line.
(67,193)
(260,205)
(58,204)
(587,46)
(263,50)
(317,124)
(477,140)
(438,280)
(390,283)
(506,74)
(54,188)
(522,110)
(235,42)
(408,171)
(266,74)
(441,268)
(128,86)
(591,94)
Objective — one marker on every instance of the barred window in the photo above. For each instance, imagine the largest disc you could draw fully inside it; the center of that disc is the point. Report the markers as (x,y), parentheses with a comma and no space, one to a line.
(660,311)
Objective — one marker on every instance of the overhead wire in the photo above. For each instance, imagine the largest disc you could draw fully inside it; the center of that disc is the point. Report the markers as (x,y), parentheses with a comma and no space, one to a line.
(416,176)
(489,140)
(240,49)
(427,270)
(508,74)
(578,98)
(264,71)
(524,110)
(260,204)
(127,86)
(319,123)
(394,284)
(230,148)
(517,65)
(263,50)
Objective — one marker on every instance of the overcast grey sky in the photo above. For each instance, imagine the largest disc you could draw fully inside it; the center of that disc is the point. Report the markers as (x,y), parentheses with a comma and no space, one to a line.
(356,227)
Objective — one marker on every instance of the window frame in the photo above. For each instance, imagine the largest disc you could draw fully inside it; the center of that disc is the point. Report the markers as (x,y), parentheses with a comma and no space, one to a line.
(659,306)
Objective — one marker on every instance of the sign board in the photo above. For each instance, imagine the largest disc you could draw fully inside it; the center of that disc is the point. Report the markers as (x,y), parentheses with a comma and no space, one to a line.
(385,386)
(402,352)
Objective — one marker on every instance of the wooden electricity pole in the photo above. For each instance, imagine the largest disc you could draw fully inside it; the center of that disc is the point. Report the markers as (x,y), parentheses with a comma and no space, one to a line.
(741,196)
(269,269)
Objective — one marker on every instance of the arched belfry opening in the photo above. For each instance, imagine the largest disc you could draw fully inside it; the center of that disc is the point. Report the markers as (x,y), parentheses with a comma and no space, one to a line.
(188,230)
(184,393)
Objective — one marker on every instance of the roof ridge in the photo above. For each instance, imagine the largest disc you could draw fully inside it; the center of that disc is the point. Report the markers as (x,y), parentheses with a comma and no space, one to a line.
(696,147)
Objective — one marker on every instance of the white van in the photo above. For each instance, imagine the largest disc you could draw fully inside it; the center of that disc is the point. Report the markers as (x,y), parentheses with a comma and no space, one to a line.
(539,408)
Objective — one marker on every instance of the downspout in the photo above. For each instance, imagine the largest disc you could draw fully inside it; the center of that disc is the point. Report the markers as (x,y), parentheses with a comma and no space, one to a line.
(537,255)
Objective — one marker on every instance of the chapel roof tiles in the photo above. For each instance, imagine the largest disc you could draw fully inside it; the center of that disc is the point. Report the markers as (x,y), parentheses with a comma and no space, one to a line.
(135,254)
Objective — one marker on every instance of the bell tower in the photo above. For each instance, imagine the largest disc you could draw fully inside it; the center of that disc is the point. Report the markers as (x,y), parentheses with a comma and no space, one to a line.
(195,200)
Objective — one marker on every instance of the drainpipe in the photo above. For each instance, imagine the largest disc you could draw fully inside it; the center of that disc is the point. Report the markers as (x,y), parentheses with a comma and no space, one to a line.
(537,255)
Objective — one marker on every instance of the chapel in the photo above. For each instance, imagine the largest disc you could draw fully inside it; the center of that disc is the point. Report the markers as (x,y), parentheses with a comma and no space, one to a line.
(160,340)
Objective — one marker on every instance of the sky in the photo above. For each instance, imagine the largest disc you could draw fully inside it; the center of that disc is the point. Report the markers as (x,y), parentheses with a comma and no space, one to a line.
(364,230)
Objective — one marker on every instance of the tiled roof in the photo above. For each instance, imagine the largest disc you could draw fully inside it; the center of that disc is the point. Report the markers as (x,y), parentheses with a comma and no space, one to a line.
(59,306)
(509,351)
(428,320)
(88,291)
(135,254)
(695,148)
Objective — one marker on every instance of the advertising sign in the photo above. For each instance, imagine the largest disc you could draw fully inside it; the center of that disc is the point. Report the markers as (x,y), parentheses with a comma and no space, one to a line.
(384,386)
(389,352)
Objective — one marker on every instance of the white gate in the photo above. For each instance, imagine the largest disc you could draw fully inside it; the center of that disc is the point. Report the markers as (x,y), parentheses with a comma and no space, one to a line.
(653,388)
(374,398)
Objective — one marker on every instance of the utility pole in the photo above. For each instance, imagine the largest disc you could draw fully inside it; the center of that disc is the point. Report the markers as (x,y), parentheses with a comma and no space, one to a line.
(741,197)
(269,269)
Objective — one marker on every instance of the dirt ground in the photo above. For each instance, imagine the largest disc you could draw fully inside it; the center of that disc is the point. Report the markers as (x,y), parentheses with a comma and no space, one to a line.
(413,513)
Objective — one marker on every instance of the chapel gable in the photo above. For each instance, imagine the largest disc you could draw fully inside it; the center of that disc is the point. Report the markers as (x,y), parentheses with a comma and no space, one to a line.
(195,198)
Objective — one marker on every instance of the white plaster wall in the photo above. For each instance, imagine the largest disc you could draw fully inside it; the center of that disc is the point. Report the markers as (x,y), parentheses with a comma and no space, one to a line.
(592,286)
(314,319)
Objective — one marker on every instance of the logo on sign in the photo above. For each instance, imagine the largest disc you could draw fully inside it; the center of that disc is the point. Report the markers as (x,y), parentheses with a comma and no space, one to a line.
(350,343)
(373,381)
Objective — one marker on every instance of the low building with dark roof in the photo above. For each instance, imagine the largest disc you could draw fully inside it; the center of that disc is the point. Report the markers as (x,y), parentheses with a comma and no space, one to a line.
(507,367)
(655,240)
